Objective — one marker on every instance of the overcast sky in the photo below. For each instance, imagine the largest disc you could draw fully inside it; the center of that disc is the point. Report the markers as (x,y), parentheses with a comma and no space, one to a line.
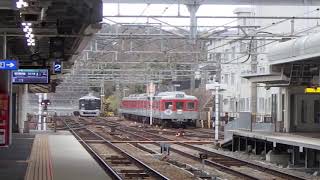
(170,9)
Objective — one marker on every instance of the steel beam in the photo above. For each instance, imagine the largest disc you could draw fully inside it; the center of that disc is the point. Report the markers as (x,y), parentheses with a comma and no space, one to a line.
(222,2)
(213,17)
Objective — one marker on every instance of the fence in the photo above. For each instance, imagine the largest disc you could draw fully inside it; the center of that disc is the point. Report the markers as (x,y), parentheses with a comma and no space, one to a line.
(244,123)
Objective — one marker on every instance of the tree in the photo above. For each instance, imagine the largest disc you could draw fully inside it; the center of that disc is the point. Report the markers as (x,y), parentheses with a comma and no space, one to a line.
(112,102)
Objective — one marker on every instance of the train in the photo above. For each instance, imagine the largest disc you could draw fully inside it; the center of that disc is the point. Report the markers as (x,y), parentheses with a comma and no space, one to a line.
(168,108)
(89,106)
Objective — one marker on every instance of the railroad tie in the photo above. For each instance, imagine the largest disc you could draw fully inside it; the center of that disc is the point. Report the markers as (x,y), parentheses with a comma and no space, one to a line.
(134,173)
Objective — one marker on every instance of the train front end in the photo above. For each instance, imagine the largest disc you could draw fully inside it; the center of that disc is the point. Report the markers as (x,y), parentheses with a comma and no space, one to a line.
(89,106)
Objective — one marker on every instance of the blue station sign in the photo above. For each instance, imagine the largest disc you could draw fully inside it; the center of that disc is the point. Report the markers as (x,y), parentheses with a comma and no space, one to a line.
(57,67)
(8,65)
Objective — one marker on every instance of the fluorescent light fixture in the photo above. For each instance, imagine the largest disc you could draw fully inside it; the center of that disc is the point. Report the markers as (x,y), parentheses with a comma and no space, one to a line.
(30,29)
(19,5)
(23,24)
(26,29)
(30,40)
(33,44)
(29,44)
(27,35)
(29,24)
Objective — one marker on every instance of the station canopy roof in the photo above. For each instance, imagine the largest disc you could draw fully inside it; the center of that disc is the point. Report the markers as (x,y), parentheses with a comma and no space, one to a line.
(74,20)
(224,2)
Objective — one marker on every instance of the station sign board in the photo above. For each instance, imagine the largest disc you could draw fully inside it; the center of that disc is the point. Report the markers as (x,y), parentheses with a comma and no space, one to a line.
(31,76)
(8,65)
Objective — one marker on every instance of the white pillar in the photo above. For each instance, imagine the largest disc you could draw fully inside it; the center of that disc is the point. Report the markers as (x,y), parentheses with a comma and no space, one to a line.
(23,107)
(40,111)
(216,136)
(102,95)
(151,109)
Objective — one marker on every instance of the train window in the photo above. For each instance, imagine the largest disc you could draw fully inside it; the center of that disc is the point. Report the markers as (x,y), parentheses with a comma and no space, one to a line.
(167,105)
(179,105)
(190,106)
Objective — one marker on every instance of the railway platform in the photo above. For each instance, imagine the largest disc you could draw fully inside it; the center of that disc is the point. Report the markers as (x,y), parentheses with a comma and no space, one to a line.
(302,140)
(48,156)
(303,147)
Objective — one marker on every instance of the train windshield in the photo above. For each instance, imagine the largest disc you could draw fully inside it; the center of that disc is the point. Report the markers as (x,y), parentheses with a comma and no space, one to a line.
(179,105)
(89,104)
(168,105)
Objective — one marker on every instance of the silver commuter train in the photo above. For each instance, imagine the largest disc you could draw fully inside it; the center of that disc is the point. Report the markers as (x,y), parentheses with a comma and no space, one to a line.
(89,106)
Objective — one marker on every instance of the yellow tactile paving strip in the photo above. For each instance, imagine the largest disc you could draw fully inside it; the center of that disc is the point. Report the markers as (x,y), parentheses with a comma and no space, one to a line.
(40,164)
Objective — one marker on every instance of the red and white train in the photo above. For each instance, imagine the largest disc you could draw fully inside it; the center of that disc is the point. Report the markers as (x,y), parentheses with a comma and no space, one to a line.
(167,108)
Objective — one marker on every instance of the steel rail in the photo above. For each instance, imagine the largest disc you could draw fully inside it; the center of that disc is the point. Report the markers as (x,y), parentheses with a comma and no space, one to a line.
(146,167)
(208,162)
(248,163)
(105,166)
(136,161)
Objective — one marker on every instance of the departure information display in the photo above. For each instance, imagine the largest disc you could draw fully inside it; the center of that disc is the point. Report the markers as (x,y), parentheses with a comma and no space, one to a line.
(30,76)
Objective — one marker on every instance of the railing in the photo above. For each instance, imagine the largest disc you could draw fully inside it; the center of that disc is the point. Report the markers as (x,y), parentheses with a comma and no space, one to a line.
(262,118)
(243,122)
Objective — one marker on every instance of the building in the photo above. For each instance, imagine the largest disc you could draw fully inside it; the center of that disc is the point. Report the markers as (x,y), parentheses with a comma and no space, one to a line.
(271,79)
(238,54)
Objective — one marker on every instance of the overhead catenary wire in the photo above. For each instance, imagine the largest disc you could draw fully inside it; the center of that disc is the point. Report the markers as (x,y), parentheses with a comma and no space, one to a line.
(233,40)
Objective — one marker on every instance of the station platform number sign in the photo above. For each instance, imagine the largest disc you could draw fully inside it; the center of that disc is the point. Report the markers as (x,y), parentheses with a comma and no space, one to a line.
(57,67)
(8,65)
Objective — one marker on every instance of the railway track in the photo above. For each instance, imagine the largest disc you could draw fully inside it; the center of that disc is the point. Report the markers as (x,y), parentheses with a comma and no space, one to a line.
(139,169)
(219,161)
(188,133)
